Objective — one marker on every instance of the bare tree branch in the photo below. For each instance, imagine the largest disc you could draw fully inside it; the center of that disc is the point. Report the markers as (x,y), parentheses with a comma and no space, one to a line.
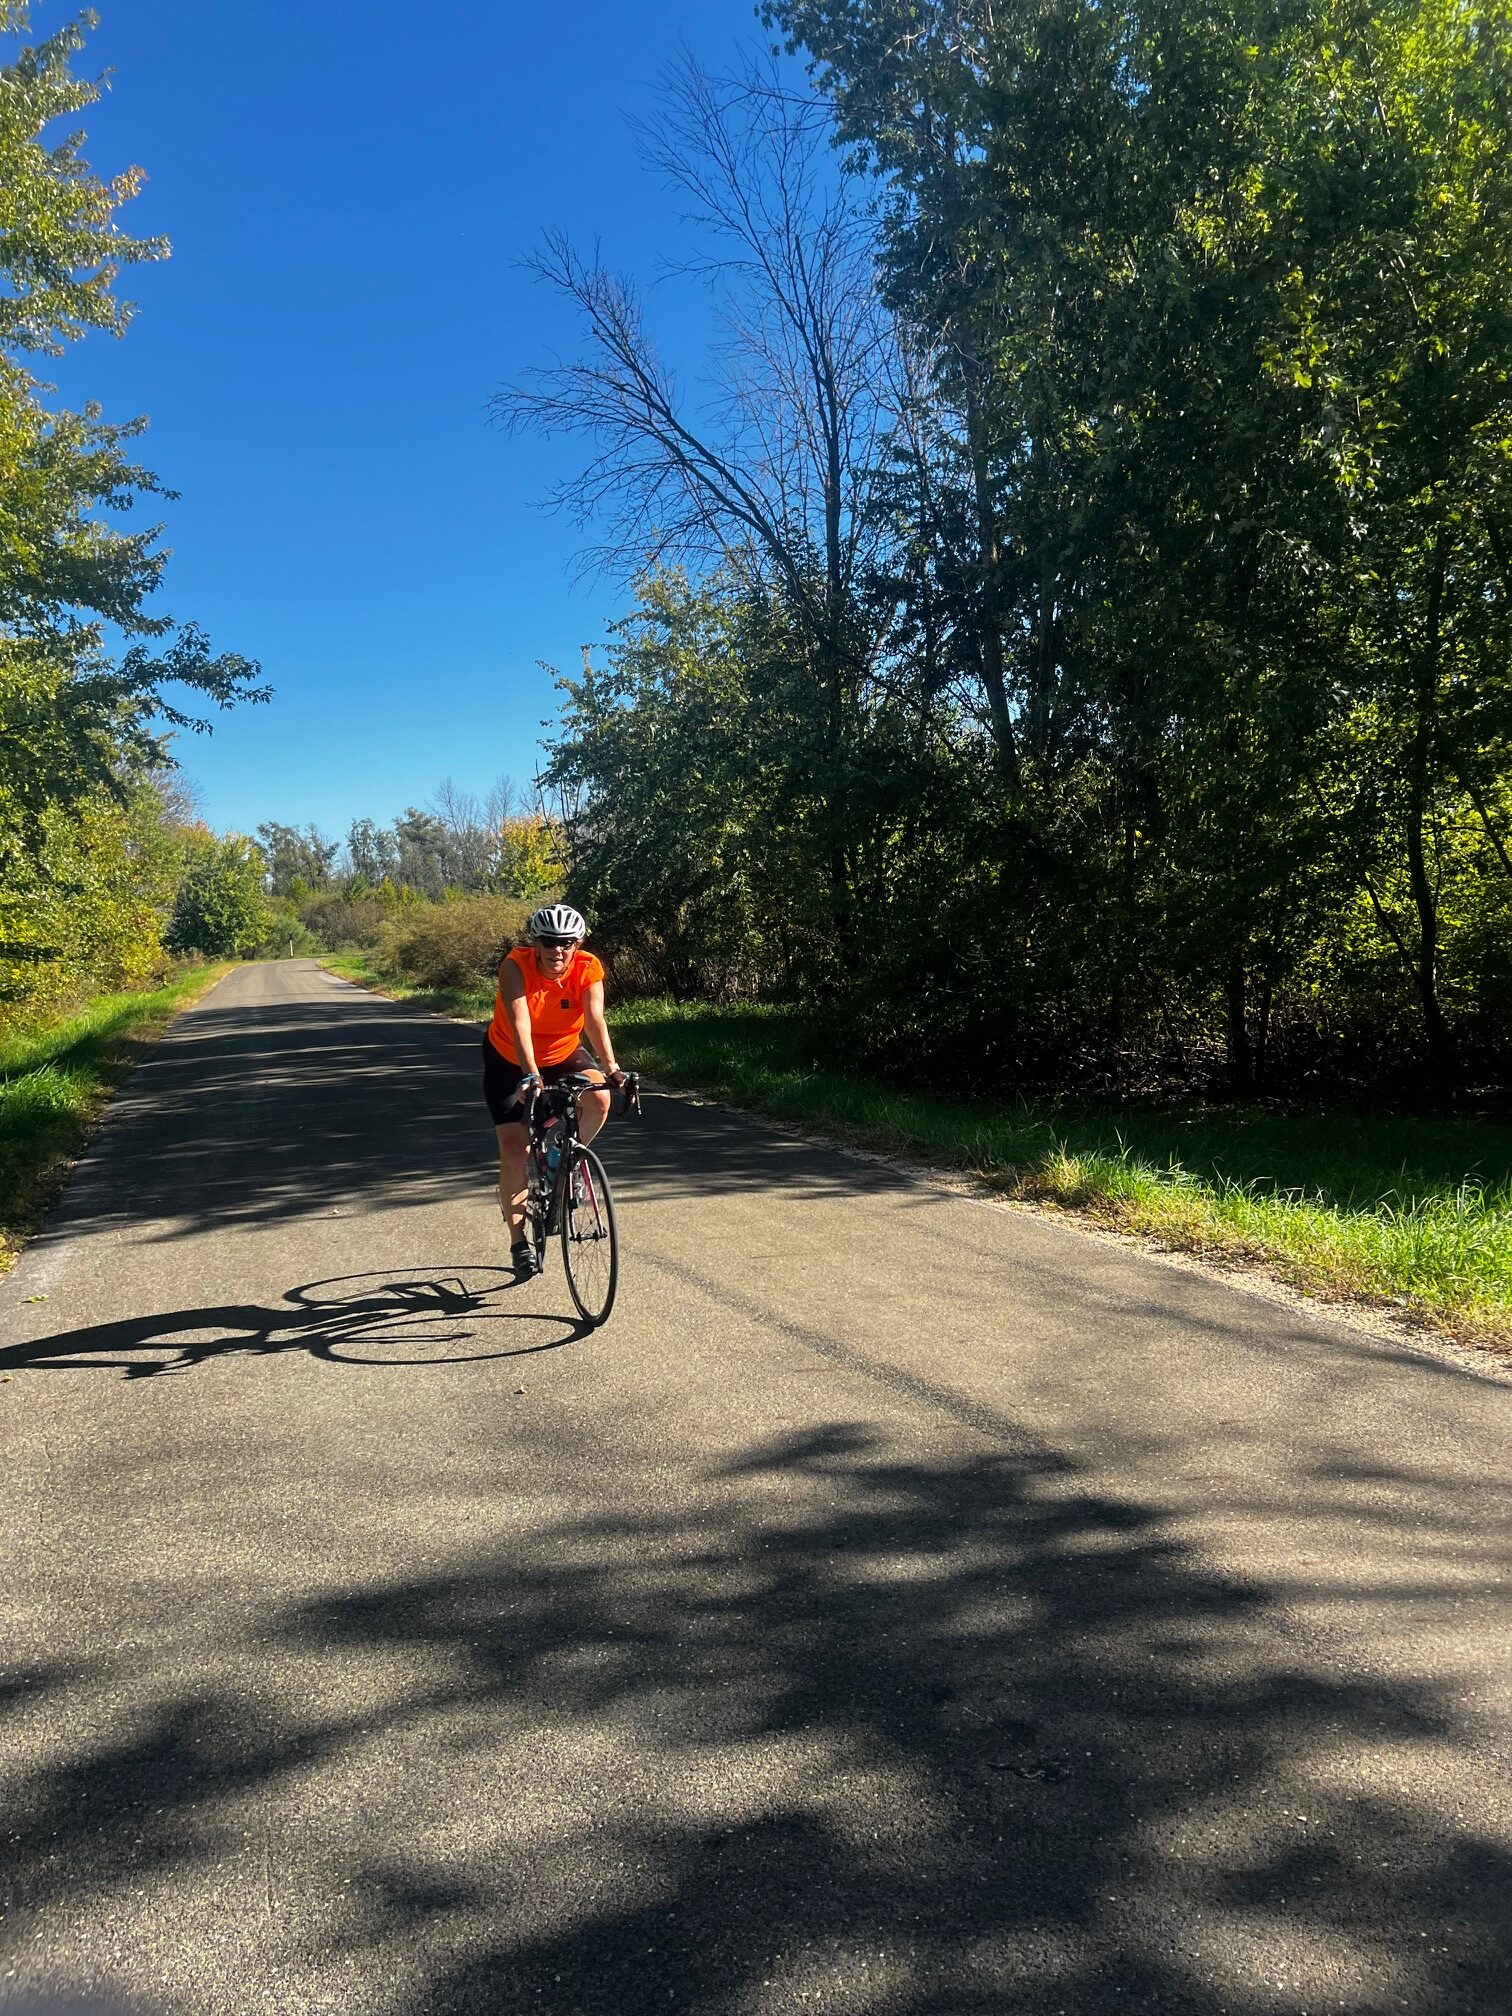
(776,477)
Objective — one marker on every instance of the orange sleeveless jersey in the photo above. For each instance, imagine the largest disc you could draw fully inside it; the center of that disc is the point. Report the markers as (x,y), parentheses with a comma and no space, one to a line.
(556,1007)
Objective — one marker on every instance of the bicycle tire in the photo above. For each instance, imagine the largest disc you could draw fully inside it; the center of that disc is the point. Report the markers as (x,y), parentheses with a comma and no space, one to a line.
(537,1205)
(535,1232)
(590,1240)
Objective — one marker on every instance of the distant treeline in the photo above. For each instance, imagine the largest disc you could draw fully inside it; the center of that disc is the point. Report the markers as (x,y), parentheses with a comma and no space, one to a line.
(1077,644)
(458,845)
(436,895)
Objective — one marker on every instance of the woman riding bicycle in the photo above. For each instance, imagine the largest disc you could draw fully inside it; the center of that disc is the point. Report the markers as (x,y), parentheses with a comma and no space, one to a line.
(550,993)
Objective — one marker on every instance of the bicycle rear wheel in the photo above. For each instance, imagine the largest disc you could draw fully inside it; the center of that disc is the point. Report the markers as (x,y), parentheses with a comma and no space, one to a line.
(590,1244)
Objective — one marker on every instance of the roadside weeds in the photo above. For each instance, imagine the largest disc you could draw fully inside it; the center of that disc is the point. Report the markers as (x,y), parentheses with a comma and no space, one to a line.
(55,1082)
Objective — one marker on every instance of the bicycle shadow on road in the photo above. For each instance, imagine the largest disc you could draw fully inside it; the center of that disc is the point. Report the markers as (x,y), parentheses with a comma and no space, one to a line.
(400,1317)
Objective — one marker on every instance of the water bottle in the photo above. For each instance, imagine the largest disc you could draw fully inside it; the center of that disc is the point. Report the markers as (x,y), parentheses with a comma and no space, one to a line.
(553,1152)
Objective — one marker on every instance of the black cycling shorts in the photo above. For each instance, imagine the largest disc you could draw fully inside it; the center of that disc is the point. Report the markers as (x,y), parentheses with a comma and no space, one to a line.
(501,1079)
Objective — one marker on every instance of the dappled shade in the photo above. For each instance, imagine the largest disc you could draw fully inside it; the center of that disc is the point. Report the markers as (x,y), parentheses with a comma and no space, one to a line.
(899,1735)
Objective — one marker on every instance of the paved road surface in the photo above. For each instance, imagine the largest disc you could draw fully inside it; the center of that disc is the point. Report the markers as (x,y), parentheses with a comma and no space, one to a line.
(903,1606)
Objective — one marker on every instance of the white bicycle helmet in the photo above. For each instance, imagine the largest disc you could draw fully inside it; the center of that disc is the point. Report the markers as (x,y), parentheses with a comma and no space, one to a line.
(557,920)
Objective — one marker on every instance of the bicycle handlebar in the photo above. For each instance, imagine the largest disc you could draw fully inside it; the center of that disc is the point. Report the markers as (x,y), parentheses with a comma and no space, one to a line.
(577,1084)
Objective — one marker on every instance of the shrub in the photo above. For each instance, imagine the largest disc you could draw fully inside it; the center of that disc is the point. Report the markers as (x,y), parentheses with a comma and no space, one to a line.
(82,899)
(346,923)
(285,933)
(453,944)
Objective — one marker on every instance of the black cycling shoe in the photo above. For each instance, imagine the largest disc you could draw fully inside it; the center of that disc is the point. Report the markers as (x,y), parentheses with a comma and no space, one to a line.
(524,1260)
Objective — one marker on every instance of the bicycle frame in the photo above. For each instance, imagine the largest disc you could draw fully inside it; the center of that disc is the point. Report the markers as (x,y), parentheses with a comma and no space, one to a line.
(559,1103)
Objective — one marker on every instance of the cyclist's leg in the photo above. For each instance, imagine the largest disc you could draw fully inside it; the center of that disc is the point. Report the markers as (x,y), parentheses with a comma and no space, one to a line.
(513,1140)
(593,1111)
(501,1090)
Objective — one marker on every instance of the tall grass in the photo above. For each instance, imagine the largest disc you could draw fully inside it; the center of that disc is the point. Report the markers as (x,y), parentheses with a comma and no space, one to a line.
(54,1078)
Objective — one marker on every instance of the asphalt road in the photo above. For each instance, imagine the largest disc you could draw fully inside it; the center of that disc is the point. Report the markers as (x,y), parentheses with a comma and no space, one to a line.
(903,1606)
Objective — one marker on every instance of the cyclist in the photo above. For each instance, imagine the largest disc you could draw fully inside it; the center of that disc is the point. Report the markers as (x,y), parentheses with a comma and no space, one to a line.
(550,992)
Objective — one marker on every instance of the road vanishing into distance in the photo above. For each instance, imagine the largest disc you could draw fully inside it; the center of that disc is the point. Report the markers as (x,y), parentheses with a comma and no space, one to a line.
(903,1606)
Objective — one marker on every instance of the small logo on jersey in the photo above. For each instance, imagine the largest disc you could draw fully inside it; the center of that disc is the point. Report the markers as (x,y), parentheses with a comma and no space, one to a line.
(568,1006)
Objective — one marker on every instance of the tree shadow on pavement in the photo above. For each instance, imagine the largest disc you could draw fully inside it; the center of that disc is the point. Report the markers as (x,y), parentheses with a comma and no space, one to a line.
(841,1729)
(250,1114)
(397,1317)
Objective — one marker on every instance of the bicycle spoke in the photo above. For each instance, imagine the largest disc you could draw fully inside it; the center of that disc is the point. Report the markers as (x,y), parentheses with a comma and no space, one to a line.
(590,1248)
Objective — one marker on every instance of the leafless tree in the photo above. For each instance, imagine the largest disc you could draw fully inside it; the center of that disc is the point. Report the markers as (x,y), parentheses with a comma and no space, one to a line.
(774,474)
(182,800)
(470,843)
(502,802)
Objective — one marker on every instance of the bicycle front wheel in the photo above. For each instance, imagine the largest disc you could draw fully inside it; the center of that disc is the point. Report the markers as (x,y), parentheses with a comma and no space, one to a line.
(590,1244)
(537,1205)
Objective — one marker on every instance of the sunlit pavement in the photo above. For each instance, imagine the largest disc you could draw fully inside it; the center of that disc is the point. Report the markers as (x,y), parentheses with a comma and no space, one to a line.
(902,1606)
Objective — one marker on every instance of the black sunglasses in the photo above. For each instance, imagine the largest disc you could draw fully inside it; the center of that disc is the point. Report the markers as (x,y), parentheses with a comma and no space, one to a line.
(556,944)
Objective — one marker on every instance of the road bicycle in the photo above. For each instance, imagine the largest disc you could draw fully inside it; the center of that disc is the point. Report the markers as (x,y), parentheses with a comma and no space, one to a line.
(567,1194)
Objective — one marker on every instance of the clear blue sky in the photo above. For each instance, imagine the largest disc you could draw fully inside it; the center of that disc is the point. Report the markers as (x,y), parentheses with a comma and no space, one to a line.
(348,187)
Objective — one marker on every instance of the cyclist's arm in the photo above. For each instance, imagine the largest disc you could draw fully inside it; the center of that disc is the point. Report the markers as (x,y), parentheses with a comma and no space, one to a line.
(517,1008)
(596,1029)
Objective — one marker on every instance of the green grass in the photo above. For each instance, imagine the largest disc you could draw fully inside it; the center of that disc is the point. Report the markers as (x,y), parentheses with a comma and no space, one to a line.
(357,966)
(54,1078)
(1411,1214)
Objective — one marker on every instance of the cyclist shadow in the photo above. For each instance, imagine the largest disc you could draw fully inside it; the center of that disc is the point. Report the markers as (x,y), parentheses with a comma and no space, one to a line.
(398,1317)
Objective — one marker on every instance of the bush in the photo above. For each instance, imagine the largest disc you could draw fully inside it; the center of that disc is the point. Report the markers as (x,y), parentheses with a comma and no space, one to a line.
(82,900)
(453,944)
(285,934)
(344,923)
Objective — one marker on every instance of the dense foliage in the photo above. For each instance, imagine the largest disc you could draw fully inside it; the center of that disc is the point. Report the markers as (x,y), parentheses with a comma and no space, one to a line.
(452,947)
(89,842)
(1125,691)
(219,907)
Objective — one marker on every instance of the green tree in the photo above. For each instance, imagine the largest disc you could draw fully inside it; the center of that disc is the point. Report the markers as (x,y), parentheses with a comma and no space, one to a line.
(72,714)
(1207,457)
(1401,330)
(696,842)
(421,852)
(85,907)
(220,909)
(371,851)
(528,855)
(1186,600)
(295,854)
